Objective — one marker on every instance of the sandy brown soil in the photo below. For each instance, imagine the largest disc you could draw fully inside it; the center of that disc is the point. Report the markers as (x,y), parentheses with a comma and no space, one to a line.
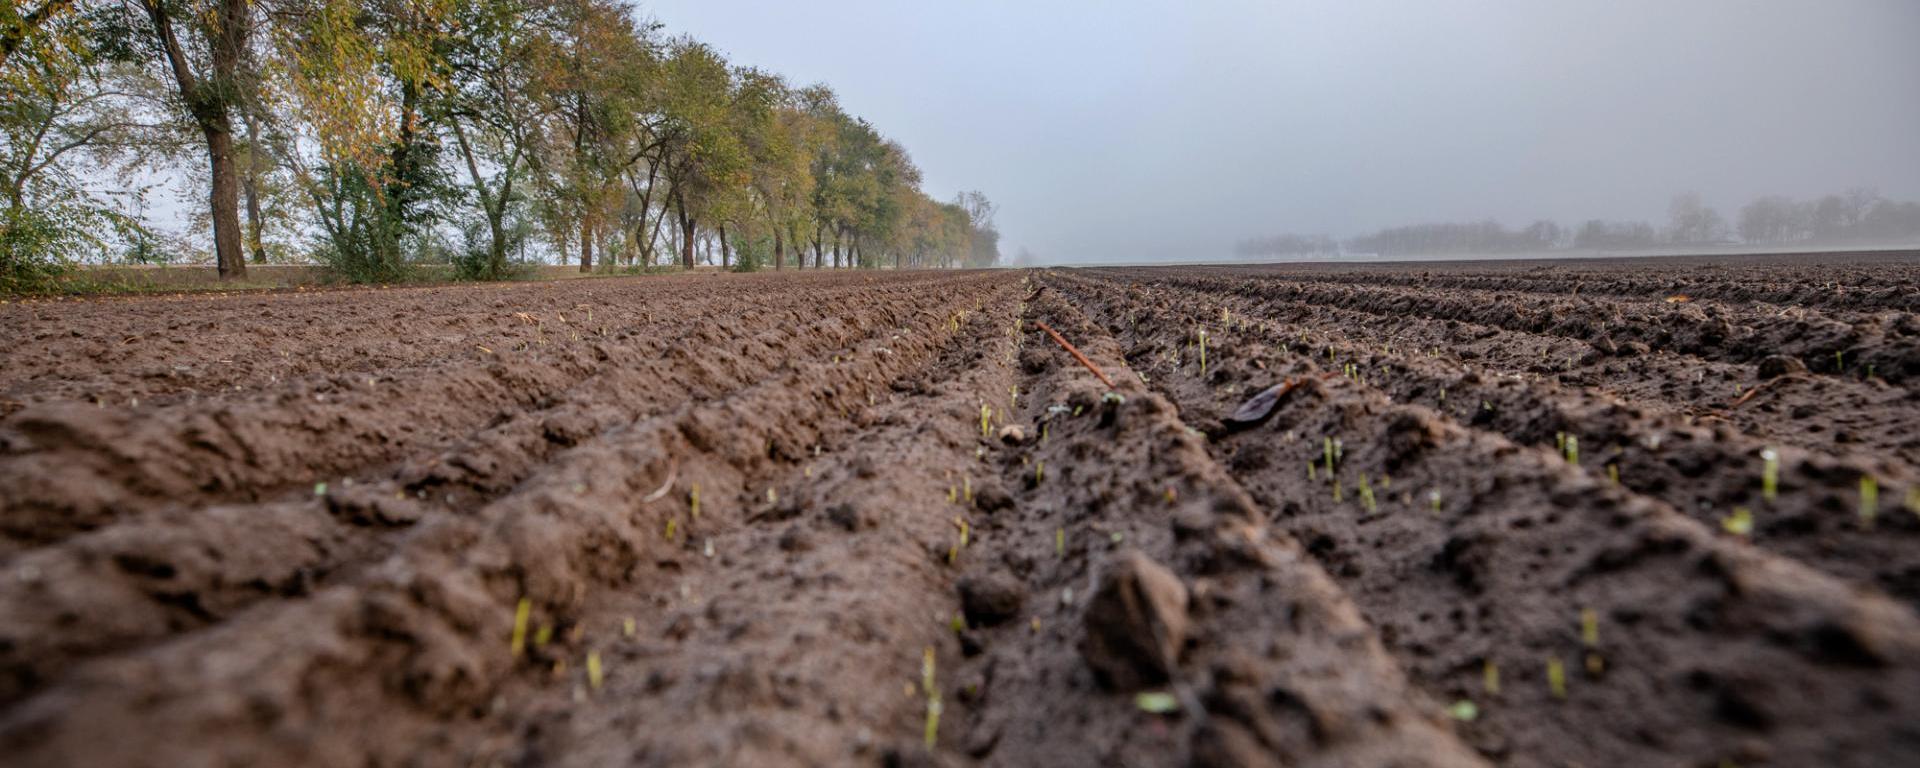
(830,519)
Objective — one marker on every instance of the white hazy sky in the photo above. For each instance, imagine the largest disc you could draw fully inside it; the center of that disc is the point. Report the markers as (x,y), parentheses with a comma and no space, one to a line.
(1116,129)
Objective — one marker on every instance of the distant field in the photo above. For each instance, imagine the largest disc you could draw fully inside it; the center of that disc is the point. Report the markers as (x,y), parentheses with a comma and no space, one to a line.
(1600,513)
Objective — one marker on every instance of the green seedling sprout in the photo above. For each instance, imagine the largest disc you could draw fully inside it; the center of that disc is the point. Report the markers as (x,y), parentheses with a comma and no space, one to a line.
(1839,360)
(1913,500)
(1060,541)
(1203,352)
(1433,500)
(953,496)
(1463,711)
(1336,489)
(521,613)
(1366,494)
(542,636)
(319,489)
(670,527)
(1770,474)
(628,627)
(986,417)
(1490,677)
(933,697)
(1740,523)
(1013,398)
(1560,442)
(958,623)
(1556,677)
(693,501)
(1573,449)
(1613,473)
(1156,702)
(1869,499)
(595,676)
(966,488)
(1589,627)
(1313,470)
(1039,470)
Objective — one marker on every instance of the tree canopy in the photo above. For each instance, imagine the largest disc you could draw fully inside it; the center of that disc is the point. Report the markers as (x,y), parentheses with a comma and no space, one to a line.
(374,135)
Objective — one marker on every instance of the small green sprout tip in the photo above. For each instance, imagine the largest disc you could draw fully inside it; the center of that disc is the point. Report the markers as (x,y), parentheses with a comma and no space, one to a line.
(1740,523)
(1490,677)
(1203,352)
(1433,501)
(693,501)
(1556,677)
(319,489)
(542,636)
(521,613)
(595,676)
(1156,702)
(1060,541)
(1463,711)
(1613,473)
(1869,499)
(1770,474)
(628,627)
(1590,627)
(986,418)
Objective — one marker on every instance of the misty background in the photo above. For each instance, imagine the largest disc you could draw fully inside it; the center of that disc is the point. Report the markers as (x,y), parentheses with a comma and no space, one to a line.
(1126,131)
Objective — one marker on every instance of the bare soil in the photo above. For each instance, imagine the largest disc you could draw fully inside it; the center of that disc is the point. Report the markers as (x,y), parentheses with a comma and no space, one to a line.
(827,519)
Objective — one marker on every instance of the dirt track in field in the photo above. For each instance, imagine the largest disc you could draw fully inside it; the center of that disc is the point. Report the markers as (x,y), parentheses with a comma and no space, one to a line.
(774,519)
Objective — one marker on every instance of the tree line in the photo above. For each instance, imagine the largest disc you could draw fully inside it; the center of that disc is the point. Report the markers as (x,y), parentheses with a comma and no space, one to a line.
(1857,216)
(371,135)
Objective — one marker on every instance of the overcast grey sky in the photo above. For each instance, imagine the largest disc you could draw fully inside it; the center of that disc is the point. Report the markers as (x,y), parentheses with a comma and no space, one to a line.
(1115,130)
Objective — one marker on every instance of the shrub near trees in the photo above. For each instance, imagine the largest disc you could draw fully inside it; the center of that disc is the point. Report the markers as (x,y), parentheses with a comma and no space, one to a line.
(386,133)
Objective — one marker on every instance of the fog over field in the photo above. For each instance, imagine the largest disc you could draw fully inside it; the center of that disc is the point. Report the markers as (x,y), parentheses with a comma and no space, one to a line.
(1153,131)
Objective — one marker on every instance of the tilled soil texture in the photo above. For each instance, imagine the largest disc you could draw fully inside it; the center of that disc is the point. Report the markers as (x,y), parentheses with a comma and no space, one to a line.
(1500,515)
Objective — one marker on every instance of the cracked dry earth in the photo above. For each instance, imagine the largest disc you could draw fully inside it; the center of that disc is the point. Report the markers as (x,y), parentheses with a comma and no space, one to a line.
(830,519)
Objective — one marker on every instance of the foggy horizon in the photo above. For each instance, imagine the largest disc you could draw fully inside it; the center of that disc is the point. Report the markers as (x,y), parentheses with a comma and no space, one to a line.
(1129,133)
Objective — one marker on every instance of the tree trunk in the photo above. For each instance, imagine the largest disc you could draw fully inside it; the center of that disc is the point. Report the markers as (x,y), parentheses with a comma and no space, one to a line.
(686,236)
(779,249)
(726,254)
(251,189)
(210,104)
(586,244)
(225,201)
(836,248)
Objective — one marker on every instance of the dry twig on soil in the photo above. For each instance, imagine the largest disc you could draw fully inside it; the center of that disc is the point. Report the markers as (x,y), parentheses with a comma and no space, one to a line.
(1076,354)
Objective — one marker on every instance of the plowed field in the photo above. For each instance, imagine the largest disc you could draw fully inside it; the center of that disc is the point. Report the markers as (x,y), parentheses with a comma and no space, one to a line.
(1592,514)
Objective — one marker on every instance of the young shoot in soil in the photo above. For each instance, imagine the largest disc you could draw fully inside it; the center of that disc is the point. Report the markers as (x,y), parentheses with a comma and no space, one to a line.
(1769,474)
(521,613)
(1556,677)
(1740,523)
(1490,677)
(1869,499)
